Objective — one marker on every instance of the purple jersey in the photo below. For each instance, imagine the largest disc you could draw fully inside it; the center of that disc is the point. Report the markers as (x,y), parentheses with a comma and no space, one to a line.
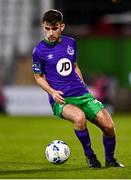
(56,62)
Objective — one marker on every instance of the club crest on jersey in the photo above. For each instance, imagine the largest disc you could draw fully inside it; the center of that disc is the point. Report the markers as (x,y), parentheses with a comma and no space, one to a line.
(64,67)
(70,50)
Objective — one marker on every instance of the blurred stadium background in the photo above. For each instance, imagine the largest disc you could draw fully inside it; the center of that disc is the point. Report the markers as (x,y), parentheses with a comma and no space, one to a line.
(103,33)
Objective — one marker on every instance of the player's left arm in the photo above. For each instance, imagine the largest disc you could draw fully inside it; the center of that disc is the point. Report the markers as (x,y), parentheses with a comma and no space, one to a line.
(78,71)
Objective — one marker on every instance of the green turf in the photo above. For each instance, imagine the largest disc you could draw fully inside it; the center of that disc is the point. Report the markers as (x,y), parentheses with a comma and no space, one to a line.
(23,141)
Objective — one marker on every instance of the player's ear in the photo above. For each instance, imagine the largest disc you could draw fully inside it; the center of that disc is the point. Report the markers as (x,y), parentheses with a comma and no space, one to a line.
(62,26)
(42,26)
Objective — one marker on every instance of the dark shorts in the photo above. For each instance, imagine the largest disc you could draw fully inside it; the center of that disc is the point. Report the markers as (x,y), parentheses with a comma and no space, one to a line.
(87,103)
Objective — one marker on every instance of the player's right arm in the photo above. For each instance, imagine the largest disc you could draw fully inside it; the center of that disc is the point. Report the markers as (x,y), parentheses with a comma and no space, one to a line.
(38,69)
(41,81)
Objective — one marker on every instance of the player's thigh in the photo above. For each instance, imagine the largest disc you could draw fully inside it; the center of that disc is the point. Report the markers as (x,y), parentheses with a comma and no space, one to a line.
(105,122)
(73,114)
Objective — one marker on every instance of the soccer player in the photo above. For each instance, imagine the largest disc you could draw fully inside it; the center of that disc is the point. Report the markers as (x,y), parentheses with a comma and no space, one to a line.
(56,72)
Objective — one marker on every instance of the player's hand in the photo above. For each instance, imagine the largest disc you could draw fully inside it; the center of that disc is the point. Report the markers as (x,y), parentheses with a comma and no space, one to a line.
(57,96)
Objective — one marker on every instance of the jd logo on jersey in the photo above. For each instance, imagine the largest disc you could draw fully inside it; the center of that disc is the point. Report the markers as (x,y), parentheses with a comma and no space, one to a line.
(64,67)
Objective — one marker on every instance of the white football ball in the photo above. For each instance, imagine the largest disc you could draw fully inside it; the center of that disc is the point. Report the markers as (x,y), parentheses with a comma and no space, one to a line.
(57,152)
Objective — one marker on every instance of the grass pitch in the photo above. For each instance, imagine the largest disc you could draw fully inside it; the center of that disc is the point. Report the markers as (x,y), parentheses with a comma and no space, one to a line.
(23,141)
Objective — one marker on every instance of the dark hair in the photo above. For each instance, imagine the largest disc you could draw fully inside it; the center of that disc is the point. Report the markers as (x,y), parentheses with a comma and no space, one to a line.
(53,16)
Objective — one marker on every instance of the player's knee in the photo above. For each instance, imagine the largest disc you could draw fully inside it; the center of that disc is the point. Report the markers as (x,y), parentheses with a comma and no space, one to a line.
(106,123)
(80,121)
(109,130)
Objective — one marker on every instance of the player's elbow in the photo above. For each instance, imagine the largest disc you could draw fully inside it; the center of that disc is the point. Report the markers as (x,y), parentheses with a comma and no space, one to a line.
(37,78)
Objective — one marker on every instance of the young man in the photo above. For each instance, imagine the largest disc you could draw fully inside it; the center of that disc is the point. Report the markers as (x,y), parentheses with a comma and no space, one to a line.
(56,71)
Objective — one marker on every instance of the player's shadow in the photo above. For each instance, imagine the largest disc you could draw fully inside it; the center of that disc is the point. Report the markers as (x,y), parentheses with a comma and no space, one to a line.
(29,168)
(38,167)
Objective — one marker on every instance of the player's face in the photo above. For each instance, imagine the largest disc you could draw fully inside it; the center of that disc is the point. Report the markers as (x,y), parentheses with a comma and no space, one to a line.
(53,32)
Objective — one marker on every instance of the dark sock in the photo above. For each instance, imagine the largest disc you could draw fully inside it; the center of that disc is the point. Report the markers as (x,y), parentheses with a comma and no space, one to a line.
(109,145)
(84,138)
